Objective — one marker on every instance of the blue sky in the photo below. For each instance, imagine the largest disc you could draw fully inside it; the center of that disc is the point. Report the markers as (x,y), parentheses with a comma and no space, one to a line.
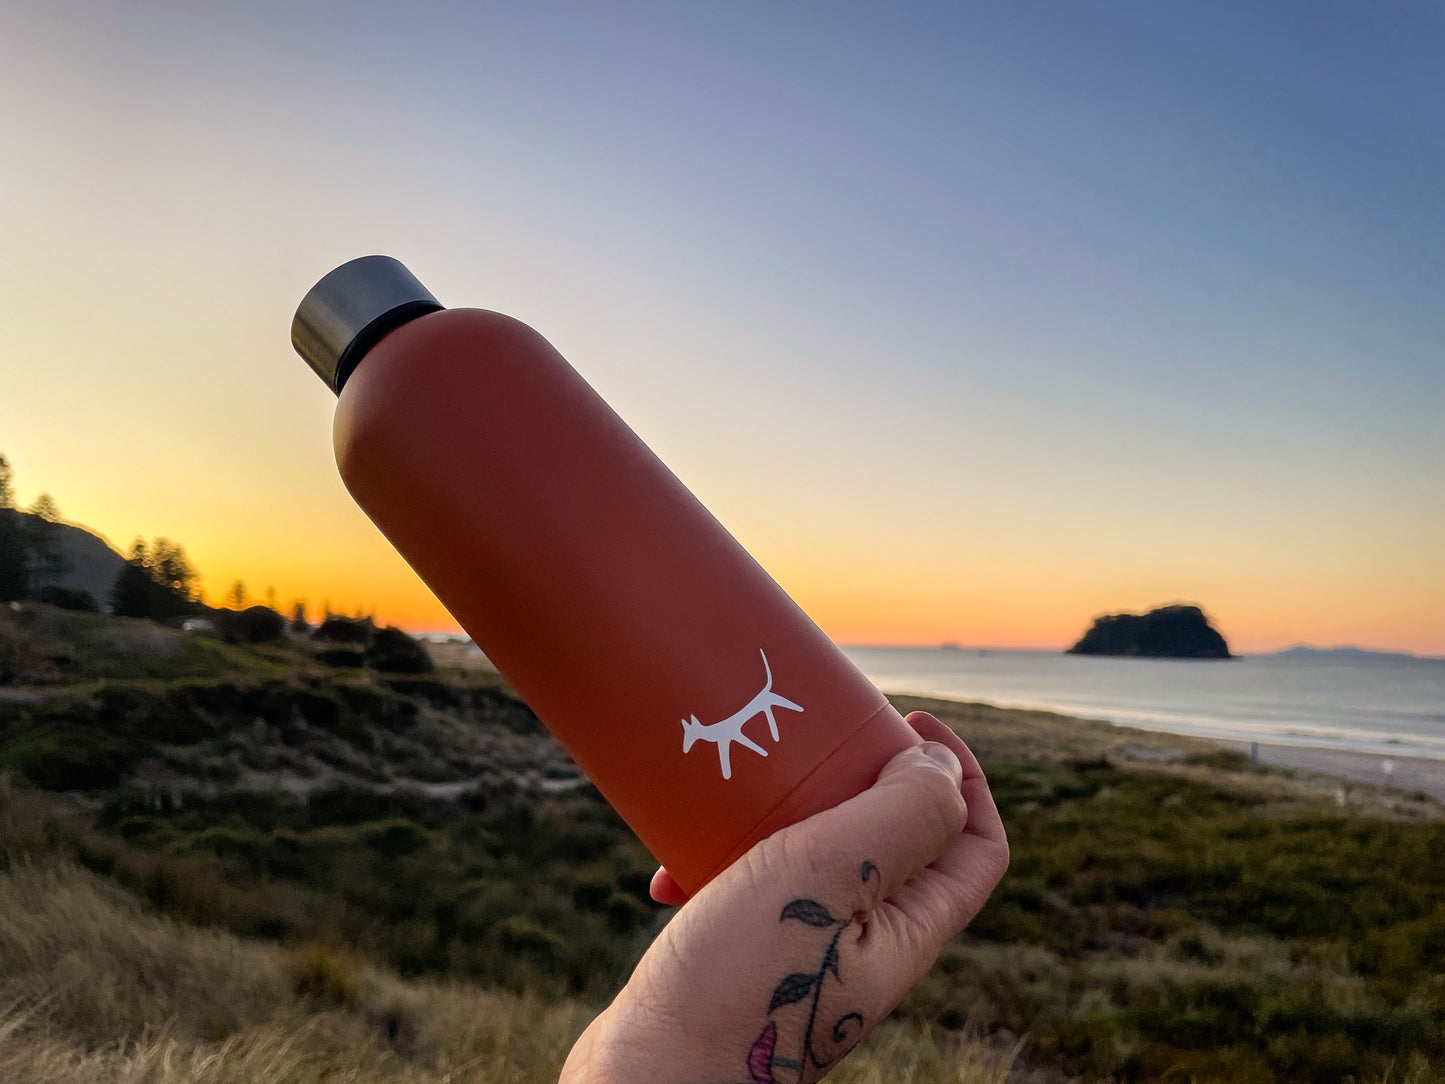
(953,308)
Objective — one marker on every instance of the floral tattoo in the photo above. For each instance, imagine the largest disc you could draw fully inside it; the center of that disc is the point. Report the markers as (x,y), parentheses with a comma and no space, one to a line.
(765,1059)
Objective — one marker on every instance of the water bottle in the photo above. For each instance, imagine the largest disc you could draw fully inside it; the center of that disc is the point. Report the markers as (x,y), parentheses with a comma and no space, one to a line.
(704,704)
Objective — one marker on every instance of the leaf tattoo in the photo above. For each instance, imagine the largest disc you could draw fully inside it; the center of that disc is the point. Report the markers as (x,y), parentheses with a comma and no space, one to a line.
(810,911)
(791,989)
(763,1059)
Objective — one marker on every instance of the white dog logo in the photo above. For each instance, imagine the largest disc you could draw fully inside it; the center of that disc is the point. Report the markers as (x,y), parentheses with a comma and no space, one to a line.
(730,730)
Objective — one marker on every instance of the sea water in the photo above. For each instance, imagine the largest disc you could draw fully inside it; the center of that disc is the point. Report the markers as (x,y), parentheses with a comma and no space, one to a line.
(1390,706)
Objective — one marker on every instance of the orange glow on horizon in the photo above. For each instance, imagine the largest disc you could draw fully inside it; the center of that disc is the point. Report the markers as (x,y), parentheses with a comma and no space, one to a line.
(1015,611)
(980,591)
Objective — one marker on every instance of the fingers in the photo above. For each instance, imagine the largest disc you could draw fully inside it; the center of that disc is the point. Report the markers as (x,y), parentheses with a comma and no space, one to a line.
(665,890)
(927,837)
(983,818)
(945,895)
(866,848)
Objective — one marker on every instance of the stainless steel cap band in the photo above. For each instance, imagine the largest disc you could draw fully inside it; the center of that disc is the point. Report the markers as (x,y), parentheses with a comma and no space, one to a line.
(350,310)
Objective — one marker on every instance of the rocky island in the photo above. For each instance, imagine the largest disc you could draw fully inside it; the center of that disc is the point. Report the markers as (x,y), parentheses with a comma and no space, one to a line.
(1170,632)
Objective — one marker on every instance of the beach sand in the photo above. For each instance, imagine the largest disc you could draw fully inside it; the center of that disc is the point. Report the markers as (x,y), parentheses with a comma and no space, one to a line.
(1406,773)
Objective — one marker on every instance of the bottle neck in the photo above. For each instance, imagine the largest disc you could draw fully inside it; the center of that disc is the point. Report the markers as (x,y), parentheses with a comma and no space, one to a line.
(374,332)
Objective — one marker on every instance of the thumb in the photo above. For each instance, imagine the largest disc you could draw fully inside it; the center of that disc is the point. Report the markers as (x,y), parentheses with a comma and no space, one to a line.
(866,848)
(930,756)
(939,758)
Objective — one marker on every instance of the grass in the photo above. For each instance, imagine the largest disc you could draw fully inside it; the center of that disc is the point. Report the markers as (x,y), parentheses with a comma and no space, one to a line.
(1152,928)
(554,904)
(90,646)
(97,989)
(1151,924)
(263,867)
(94,988)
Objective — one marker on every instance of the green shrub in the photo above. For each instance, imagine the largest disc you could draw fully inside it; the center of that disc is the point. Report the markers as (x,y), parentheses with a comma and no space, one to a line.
(67,760)
(326,977)
(395,838)
(343,630)
(348,657)
(395,652)
(253,625)
(68,598)
(526,937)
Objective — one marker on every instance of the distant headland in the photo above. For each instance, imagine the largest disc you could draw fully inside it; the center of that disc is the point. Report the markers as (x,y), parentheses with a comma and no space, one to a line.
(1170,632)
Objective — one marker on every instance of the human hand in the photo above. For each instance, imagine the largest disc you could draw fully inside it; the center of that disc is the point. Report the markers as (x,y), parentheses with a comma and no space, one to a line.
(786,959)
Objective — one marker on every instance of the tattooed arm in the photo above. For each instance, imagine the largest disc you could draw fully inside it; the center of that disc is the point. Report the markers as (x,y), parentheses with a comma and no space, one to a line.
(780,965)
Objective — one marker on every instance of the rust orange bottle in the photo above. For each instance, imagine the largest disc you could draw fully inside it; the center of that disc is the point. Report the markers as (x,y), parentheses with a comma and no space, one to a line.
(697,696)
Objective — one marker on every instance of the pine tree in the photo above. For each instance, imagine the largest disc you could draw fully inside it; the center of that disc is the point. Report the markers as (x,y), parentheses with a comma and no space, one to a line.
(14,556)
(46,508)
(130,595)
(170,568)
(157,582)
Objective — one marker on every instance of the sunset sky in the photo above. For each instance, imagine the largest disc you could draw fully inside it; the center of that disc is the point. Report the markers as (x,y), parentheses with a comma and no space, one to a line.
(971,321)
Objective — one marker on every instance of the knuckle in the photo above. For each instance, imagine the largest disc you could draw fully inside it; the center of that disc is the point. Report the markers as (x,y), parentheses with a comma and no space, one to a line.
(943,799)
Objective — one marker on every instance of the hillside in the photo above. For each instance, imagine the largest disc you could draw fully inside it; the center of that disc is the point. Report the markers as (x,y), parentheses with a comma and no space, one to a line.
(88,562)
(1172,913)
(65,555)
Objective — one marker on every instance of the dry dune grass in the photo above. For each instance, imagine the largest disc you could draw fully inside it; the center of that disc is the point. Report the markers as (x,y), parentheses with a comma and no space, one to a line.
(296,1049)
(96,989)
(93,988)
(902,1054)
(92,965)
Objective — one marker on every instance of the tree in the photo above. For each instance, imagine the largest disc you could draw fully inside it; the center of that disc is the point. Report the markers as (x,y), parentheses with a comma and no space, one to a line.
(130,596)
(237,598)
(46,508)
(298,617)
(169,567)
(157,582)
(31,553)
(49,562)
(14,556)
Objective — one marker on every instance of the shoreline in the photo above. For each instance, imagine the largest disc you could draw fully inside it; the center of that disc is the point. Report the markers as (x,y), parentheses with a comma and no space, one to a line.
(1406,773)
(1008,734)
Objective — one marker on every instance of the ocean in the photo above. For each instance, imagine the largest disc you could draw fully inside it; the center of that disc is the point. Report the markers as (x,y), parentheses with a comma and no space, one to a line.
(1389,706)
